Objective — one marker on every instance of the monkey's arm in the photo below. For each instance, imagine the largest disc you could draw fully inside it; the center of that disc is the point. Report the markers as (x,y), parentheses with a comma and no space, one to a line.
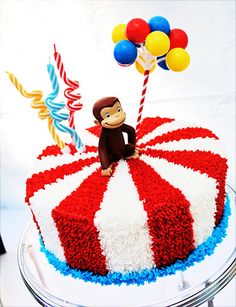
(102,151)
(131,133)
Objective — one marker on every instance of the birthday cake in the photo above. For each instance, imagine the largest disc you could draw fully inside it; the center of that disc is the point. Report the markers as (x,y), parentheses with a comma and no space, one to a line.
(152,213)
(112,211)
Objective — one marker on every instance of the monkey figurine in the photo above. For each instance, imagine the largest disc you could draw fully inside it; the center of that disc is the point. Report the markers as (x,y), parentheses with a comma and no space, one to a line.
(111,148)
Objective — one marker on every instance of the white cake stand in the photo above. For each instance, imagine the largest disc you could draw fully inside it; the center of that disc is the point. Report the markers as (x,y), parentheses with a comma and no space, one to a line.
(192,287)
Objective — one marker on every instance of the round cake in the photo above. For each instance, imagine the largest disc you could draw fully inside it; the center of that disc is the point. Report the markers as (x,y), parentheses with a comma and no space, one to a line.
(151,214)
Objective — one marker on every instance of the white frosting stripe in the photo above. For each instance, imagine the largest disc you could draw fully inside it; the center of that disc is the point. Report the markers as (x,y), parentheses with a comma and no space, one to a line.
(122,225)
(89,138)
(202,144)
(49,162)
(199,190)
(165,128)
(45,200)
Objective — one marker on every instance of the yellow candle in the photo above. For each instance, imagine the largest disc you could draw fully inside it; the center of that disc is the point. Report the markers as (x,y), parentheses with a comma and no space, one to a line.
(38,103)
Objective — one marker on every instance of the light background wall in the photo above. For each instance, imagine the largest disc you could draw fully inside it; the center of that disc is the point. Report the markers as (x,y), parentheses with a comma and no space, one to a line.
(204,93)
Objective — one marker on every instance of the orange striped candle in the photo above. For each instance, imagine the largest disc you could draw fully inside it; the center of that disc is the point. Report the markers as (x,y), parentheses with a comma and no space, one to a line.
(38,103)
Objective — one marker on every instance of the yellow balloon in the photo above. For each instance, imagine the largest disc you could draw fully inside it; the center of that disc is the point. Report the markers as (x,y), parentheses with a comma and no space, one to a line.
(118,33)
(140,67)
(177,59)
(157,43)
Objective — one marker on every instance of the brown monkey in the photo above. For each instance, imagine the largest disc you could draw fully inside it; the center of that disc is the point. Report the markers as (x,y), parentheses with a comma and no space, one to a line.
(111,148)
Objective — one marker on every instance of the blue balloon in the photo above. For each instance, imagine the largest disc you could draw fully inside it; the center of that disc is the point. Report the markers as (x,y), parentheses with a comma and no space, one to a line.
(125,52)
(162,64)
(159,23)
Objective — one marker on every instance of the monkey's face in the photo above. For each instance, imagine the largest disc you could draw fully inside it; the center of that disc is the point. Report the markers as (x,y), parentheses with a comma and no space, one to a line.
(113,117)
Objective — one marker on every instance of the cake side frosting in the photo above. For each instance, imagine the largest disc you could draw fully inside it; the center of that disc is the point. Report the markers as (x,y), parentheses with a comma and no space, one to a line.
(150,213)
(149,275)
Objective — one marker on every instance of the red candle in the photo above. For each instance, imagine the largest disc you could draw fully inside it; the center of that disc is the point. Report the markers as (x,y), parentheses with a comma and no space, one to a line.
(72,103)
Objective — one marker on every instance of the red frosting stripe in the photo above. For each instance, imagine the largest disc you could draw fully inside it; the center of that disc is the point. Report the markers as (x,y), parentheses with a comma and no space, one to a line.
(54,150)
(74,218)
(91,149)
(169,219)
(203,161)
(149,124)
(96,130)
(180,134)
(38,181)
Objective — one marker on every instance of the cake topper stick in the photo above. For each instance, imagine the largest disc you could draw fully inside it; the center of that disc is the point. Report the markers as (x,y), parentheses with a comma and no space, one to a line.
(140,111)
(157,44)
(38,103)
(148,62)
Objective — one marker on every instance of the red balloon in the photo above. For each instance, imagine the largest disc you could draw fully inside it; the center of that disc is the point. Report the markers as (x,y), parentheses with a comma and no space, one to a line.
(178,39)
(136,30)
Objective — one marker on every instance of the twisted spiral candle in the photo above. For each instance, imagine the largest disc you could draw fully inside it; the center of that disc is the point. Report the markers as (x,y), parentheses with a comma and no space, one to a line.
(72,105)
(55,108)
(38,103)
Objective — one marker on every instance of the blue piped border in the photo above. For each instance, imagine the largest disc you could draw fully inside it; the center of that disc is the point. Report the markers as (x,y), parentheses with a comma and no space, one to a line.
(148,275)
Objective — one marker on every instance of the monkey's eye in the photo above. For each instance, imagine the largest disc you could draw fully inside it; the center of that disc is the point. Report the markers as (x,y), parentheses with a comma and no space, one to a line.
(107,114)
(118,109)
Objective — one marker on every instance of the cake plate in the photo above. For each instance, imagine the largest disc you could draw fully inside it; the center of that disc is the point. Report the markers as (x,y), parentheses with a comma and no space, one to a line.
(193,287)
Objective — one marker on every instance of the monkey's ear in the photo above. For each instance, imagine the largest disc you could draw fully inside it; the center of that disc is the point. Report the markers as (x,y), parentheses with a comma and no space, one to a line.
(96,122)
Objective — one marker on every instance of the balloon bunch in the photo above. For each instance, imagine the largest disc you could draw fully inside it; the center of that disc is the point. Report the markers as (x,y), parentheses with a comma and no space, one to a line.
(156,43)
(148,44)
